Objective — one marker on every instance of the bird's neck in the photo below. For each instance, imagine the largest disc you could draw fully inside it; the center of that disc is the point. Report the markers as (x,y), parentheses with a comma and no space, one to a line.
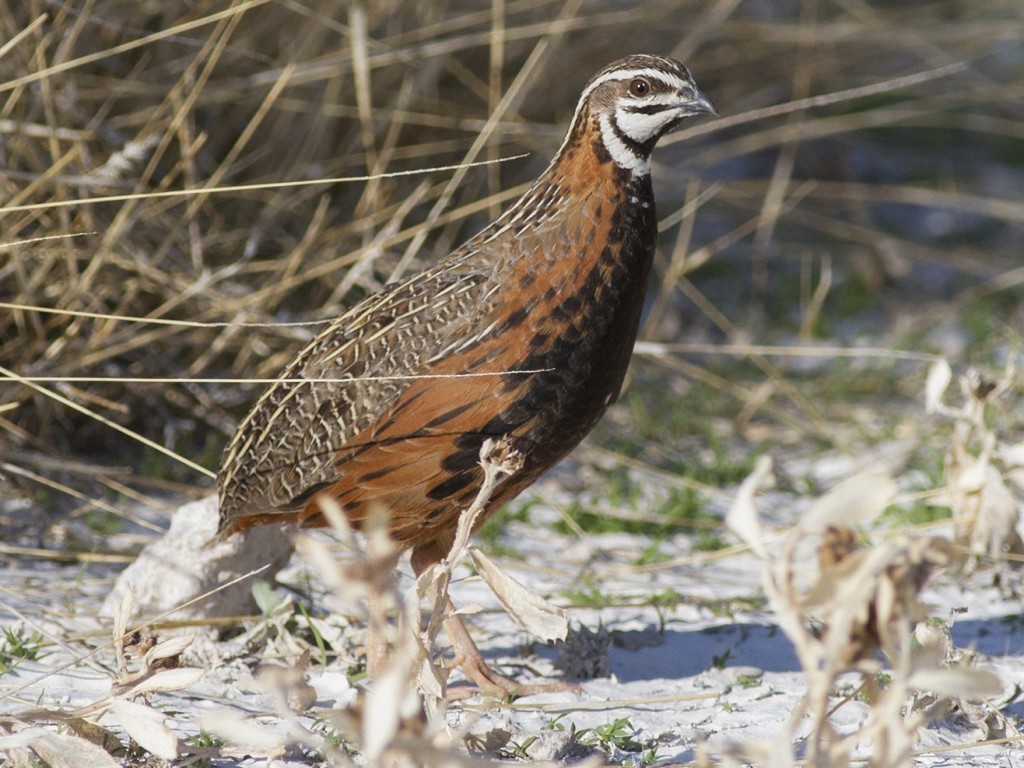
(589,170)
(598,135)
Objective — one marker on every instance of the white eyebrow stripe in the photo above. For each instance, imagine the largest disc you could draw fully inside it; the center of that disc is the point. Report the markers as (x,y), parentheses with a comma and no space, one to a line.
(623,74)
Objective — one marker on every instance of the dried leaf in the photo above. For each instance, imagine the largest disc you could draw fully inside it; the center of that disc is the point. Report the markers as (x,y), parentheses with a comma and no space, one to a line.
(1012,454)
(325,564)
(742,516)
(146,726)
(432,583)
(957,682)
(889,607)
(166,680)
(21,757)
(939,377)
(170,648)
(381,717)
(267,600)
(431,679)
(21,739)
(856,499)
(121,619)
(123,615)
(971,477)
(231,727)
(62,750)
(995,527)
(529,610)
(335,516)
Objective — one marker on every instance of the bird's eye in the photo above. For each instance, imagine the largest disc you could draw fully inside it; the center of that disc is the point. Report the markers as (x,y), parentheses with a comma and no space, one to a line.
(640,87)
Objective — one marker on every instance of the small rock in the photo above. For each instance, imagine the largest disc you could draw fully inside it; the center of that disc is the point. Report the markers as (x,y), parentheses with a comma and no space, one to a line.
(183,565)
(558,747)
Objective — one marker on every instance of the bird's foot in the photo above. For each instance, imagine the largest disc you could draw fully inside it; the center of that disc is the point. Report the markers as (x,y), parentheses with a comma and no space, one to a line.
(497,685)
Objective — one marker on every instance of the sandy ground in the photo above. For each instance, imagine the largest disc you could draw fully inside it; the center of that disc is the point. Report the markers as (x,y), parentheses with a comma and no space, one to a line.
(712,666)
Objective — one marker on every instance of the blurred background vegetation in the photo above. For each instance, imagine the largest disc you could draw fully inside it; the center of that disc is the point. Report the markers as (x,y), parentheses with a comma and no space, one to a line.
(834,203)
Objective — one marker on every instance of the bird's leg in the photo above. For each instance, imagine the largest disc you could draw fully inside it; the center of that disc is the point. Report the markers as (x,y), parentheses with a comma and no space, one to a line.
(467,654)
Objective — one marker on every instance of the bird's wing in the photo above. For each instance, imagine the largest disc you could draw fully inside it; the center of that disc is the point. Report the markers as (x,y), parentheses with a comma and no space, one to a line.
(283,451)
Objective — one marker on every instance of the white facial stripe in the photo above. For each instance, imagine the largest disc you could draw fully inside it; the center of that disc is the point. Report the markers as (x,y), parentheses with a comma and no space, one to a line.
(664,99)
(628,74)
(640,127)
(622,155)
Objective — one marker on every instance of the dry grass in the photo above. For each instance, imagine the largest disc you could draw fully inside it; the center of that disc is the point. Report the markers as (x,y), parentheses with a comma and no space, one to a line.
(188,188)
(147,237)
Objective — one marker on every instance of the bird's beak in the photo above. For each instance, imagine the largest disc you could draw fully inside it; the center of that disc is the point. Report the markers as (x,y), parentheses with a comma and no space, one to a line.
(699,104)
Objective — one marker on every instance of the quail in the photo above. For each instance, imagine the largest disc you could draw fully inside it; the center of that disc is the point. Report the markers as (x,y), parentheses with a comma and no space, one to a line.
(546,300)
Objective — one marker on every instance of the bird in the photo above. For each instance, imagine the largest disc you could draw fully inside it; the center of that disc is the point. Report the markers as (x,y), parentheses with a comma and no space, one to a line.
(523,333)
